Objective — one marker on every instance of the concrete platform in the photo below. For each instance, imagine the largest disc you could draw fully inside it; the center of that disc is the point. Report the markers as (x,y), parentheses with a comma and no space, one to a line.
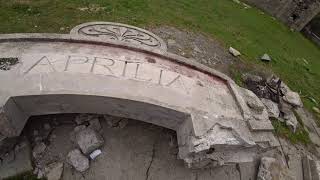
(125,71)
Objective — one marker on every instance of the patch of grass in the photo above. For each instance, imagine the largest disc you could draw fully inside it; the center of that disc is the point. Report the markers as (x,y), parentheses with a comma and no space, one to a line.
(300,136)
(294,58)
(24,176)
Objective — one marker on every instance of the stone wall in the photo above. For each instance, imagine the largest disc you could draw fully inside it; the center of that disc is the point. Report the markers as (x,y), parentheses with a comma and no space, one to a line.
(294,13)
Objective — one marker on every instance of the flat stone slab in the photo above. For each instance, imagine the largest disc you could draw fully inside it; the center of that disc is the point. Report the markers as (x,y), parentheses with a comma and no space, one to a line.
(130,77)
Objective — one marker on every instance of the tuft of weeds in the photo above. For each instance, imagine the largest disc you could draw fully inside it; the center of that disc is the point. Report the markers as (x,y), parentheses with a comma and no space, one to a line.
(300,136)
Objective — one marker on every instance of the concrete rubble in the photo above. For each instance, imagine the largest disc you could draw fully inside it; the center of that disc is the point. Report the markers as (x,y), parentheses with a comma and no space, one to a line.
(88,140)
(272,169)
(77,160)
(54,171)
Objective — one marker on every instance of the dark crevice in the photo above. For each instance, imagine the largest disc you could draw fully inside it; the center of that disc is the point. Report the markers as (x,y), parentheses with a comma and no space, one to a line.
(151,161)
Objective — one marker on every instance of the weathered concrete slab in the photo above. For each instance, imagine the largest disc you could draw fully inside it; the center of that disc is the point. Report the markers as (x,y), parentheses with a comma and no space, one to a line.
(216,122)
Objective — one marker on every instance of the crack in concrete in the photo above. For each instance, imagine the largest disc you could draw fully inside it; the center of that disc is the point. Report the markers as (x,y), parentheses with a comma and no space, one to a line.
(151,161)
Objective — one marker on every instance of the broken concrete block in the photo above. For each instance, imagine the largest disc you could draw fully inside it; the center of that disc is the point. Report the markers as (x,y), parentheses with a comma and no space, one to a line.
(77,160)
(272,169)
(88,140)
(293,98)
(272,107)
(18,161)
(54,171)
(309,168)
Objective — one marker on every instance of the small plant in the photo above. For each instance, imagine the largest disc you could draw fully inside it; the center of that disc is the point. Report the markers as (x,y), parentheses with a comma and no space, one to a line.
(300,136)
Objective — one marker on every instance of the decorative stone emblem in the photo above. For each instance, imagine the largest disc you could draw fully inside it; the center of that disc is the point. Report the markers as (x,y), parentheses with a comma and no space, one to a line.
(120,32)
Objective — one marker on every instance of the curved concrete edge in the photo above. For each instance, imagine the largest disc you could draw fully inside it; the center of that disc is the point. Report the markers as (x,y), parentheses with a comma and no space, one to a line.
(194,149)
(74,31)
(46,37)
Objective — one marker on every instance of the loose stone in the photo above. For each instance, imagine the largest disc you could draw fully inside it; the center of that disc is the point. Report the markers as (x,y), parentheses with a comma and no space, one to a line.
(77,160)
(234,52)
(266,57)
(88,140)
(272,107)
(293,98)
(95,124)
(54,171)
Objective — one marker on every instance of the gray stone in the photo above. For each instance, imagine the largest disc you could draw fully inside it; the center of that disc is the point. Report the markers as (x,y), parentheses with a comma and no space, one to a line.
(54,171)
(116,122)
(95,124)
(272,107)
(77,160)
(272,169)
(38,150)
(309,167)
(293,98)
(288,116)
(88,140)
(81,118)
(234,52)
(17,162)
(75,131)
(265,57)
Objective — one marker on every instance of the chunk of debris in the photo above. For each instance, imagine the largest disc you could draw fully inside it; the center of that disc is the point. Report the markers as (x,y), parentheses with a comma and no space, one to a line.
(95,124)
(54,171)
(17,161)
(95,154)
(82,118)
(271,169)
(116,122)
(234,52)
(293,98)
(266,58)
(309,168)
(38,150)
(288,116)
(88,140)
(77,160)
(272,107)
(75,131)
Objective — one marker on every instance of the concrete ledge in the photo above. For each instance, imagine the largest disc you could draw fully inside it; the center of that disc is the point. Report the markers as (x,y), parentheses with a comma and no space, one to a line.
(60,73)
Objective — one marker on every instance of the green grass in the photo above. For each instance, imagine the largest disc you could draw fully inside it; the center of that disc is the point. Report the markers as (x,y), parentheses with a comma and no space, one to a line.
(295,59)
(300,136)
